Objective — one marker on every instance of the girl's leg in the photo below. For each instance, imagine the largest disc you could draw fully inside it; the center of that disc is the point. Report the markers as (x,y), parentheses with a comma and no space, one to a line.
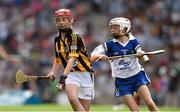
(130,102)
(72,94)
(85,103)
(144,93)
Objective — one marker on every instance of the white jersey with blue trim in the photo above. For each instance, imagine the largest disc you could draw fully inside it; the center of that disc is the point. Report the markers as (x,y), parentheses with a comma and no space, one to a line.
(122,67)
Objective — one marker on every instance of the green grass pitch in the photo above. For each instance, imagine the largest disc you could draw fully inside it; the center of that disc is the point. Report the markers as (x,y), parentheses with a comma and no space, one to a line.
(67,108)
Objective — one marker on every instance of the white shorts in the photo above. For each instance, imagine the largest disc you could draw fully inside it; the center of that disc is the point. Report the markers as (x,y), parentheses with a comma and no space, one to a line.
(85,80)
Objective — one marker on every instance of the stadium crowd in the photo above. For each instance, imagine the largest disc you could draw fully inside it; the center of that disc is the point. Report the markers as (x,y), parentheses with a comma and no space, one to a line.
(27,29)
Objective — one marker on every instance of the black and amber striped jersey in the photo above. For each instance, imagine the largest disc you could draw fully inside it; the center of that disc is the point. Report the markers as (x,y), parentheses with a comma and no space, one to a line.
(73,46)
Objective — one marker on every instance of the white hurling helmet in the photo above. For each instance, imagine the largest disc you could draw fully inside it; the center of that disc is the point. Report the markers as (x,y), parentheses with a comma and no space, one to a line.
(122,22)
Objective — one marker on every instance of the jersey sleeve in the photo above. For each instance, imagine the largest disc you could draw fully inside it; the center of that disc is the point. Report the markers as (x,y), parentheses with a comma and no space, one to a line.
(74,47)
(101,49)
(136,44)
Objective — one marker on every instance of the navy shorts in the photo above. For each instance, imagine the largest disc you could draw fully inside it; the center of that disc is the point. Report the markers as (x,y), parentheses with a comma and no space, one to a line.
(131,84)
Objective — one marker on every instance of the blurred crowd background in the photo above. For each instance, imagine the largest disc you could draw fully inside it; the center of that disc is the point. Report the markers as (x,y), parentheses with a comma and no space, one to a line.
(27,29)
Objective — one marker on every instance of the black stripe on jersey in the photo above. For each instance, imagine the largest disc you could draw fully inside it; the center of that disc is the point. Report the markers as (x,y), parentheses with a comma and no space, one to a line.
(63,60)
(64,45)
(76,68)
(84,53)
(84,64)
(60,55)
(81,44)
(56,51)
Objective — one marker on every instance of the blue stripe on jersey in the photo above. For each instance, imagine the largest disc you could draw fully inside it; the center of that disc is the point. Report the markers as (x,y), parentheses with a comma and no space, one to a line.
(115,48)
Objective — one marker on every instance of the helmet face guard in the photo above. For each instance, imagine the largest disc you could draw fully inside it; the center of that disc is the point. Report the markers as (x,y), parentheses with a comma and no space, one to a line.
(123,23)
(63,14)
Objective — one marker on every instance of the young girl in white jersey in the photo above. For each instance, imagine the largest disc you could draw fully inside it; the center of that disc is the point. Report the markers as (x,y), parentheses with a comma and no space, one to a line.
(129,75)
